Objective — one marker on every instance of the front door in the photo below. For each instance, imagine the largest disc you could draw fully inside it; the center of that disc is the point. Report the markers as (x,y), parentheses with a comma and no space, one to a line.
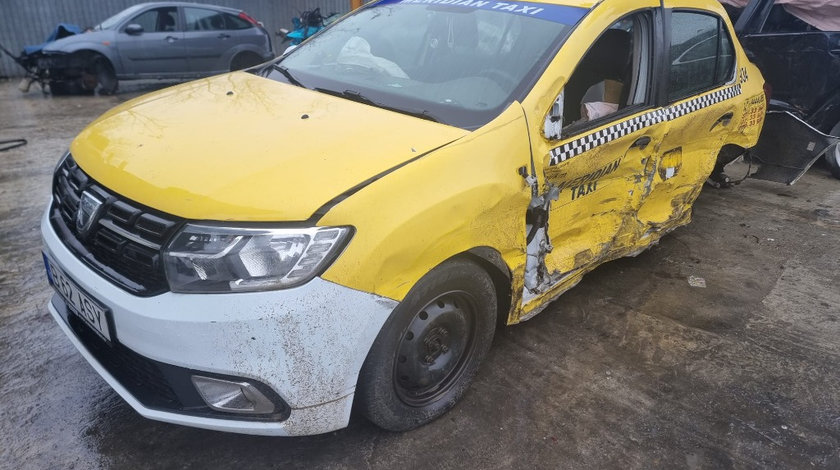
(595,169)
(158,50)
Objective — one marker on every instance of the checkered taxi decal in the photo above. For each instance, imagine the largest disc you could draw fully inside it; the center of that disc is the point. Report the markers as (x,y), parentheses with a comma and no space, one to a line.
(669,113)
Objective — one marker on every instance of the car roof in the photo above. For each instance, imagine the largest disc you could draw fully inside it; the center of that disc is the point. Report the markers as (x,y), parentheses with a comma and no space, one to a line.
(572,3)
(189,4)
(589,4)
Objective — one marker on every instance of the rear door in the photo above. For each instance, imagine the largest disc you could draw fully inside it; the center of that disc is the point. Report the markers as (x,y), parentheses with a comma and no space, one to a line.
(159,49)
(207,39)
(702,101)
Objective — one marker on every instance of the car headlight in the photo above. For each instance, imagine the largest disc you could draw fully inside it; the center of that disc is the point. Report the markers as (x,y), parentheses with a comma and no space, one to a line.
(209,259)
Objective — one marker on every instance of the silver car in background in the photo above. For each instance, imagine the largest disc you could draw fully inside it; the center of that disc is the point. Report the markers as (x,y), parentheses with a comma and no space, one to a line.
(155,40)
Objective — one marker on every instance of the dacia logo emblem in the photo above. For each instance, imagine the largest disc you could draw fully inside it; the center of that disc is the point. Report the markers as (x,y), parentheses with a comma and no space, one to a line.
(89,208)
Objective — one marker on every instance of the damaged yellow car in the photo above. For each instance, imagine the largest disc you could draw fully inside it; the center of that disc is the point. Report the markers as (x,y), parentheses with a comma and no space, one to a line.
(255,252)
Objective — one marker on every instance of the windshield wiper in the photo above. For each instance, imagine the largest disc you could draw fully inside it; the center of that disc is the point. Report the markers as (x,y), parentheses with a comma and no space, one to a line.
(291,78)
(354,95)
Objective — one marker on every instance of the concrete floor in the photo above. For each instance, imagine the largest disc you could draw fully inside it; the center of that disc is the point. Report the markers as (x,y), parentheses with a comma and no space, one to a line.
(634,368)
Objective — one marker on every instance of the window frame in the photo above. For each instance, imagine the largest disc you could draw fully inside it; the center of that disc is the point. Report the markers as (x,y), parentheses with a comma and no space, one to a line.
(178,19)
(198,6)
(230,18)
(652,96)
(666,55)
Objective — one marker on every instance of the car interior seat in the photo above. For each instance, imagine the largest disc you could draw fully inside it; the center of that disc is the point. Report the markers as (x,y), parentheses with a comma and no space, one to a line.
(608,59)
(166,21)
(217,22)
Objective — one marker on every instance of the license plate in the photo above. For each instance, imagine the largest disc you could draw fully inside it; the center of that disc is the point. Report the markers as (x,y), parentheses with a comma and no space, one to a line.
(85,307)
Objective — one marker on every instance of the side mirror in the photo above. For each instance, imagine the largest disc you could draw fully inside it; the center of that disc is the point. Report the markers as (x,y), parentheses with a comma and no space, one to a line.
(134,29)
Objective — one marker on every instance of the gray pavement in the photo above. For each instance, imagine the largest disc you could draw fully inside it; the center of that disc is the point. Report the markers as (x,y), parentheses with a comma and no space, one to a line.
(634,368)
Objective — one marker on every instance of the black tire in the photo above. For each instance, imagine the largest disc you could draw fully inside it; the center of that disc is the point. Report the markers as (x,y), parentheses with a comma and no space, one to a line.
(105,76)
(430,348)
(244,60)
(832,155)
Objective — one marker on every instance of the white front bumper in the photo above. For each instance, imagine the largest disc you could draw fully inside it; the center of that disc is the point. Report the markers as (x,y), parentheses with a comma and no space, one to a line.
(308,343)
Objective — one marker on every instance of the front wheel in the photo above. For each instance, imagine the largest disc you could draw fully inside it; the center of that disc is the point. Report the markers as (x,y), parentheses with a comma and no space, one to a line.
(105,76)
(430,348)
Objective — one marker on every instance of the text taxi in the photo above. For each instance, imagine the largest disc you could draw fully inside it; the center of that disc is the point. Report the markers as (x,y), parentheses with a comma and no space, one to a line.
(256,251)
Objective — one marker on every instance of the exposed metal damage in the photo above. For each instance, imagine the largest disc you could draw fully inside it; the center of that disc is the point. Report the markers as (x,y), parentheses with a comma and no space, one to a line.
(537,279)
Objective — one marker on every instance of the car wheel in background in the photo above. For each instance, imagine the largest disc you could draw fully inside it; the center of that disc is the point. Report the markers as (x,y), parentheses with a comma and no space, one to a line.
(429,350)
(105,76)
(832,155)
(245,60)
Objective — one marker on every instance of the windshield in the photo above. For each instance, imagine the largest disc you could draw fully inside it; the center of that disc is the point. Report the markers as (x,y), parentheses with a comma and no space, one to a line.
(457,62)
(115,20)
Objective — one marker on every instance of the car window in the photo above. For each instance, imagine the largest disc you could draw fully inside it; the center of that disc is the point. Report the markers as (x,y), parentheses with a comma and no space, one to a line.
(780,21)
(613,75)
(115,20)
(157,20)
(460,64)
(726,57)
(702,55)
(235,22)
(200,19)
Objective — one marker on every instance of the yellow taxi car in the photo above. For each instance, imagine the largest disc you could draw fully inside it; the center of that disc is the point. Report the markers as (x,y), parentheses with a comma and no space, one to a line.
(254,252)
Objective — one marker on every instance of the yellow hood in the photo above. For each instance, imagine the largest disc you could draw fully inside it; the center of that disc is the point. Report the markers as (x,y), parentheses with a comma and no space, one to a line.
(240,147)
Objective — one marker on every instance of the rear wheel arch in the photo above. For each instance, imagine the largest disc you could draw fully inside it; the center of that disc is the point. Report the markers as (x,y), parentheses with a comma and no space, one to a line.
(726,155)
(244,59)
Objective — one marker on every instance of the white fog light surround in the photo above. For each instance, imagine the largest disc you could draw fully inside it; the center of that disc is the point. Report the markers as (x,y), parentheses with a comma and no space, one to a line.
(209,259)
(232,397)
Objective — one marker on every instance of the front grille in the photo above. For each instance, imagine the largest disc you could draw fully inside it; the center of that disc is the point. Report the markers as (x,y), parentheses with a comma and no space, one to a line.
(124,243)
(140,376)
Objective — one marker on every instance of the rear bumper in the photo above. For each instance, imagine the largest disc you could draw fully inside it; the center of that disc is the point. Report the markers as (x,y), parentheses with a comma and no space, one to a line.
(306,345)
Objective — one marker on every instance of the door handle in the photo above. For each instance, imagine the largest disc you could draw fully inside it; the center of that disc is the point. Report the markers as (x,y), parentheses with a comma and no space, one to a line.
(723,120)
(641,142)
(170,39)
(223,36)
(835,51)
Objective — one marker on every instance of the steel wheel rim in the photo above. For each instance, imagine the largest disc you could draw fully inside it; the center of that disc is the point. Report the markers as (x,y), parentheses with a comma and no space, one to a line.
(433,351)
